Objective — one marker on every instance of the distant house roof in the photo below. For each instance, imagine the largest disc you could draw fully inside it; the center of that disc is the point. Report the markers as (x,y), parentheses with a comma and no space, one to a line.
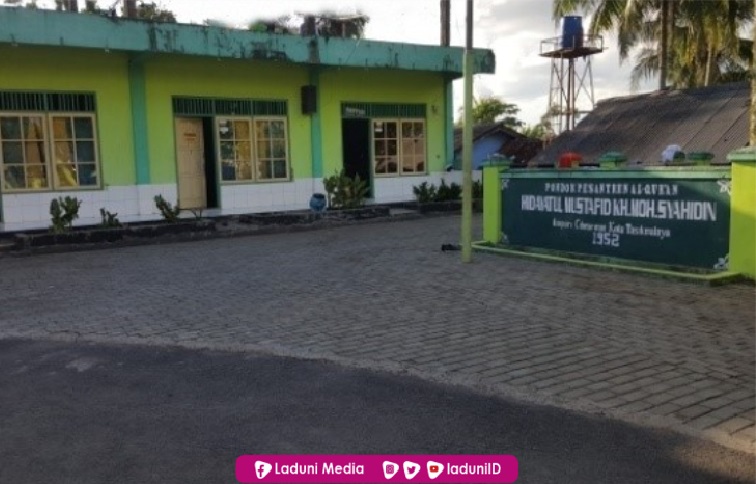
(517,146)
(713,119)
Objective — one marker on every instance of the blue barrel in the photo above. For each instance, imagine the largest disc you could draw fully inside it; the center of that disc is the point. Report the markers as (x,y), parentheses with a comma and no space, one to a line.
(572,32)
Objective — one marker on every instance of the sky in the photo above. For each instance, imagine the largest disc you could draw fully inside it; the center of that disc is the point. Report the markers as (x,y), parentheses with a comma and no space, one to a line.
(513,29)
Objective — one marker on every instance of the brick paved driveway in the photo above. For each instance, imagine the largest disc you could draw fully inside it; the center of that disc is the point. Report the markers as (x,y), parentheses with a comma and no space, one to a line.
(384,296)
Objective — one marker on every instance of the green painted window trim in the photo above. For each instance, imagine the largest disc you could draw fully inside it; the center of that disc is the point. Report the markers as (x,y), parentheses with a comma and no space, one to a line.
(382,110)
(54,102)
(198,106)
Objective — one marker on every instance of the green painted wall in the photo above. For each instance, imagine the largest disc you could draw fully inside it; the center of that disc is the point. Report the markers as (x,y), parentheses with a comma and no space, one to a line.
(105,74)
(169,76)
(381,86)
(492,207)
(138,93)
(743,218)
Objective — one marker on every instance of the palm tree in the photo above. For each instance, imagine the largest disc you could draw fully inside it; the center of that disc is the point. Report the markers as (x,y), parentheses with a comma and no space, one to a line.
(703,45)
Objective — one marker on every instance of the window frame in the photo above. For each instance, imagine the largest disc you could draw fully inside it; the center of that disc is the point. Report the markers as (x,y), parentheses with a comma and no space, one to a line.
(269,118)
(424,138)
(51,144)
(53,183)
(46,144)
(252,148)
(399,147)
(255,158)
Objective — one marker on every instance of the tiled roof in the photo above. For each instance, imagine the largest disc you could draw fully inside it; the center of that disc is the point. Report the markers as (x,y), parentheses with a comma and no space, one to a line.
(483,130)
(517,145)
(713,119)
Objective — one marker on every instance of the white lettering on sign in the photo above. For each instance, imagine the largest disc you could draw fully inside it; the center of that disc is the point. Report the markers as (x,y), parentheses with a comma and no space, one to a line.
(665,209)
(354,112)
(610,188)
(609,234)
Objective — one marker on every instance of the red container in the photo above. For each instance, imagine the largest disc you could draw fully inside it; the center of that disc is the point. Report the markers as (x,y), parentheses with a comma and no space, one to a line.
(570,160)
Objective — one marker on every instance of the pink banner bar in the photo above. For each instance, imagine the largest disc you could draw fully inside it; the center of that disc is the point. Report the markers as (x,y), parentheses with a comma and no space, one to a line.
(376,469)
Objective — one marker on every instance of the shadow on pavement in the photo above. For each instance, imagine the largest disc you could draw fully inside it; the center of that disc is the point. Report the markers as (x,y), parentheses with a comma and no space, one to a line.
(79,413)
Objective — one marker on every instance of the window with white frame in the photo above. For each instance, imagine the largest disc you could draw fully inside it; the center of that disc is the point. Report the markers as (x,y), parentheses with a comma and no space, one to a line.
(253,149)
(74,150)
(399,147)
(24,152)
(41,151)
(235,149)
(272,157)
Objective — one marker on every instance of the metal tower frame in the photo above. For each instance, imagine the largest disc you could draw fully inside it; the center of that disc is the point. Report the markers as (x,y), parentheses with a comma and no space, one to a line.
(571,78)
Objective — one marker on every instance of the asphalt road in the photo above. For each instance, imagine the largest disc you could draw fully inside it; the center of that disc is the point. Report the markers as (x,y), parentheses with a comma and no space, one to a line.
(83,413)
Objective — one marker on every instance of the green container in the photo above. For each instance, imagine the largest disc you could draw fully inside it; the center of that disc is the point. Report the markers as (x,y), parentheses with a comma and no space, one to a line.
(612,159)
(701,157)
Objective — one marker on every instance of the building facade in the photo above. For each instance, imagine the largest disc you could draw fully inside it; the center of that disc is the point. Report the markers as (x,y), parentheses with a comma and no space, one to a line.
(116,111)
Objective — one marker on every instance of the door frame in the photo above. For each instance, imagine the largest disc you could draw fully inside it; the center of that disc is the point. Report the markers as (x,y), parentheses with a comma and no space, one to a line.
(212,185)
(368,150)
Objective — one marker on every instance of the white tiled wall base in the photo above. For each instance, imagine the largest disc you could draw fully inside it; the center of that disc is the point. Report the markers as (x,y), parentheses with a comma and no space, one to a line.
(399,189)
(132,203)
(136,203)
(267,197)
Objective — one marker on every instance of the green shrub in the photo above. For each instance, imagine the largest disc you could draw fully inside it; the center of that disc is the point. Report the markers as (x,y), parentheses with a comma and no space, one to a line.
(429,193)
(425,192)
(168,211)
(477,189)
(345,192)
(109,220)
(63,212)
(447,193)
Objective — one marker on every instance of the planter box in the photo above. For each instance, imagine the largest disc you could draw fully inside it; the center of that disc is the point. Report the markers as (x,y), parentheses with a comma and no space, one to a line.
(277,218)
(293,218)
(357,213)
(442,207)
(88,236)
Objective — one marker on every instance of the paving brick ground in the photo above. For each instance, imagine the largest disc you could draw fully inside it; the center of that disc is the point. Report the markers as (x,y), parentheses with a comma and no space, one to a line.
(384,296)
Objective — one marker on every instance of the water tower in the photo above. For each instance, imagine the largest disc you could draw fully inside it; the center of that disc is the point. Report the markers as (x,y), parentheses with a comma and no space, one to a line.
(571,73)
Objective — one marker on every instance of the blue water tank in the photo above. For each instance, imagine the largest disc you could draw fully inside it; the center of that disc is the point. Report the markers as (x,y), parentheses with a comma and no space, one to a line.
(572,32)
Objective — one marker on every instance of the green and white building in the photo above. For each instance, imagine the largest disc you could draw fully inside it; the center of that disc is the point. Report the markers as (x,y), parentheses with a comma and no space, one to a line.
(115,111)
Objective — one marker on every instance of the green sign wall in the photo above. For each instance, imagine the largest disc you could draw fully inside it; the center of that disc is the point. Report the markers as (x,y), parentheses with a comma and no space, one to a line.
(673,221)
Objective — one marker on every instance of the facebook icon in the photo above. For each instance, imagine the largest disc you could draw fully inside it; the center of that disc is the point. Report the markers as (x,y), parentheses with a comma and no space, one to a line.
(262,469)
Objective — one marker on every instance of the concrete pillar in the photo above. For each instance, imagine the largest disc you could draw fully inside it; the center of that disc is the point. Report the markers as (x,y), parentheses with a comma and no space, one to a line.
(743,212)
(492,207)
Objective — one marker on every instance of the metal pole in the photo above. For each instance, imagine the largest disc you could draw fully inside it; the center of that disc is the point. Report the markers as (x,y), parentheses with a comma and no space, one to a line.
(467,139)
(570,94)
(446,23)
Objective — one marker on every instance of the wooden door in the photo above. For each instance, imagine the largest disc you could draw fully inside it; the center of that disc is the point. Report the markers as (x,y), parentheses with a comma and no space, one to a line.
(190,151)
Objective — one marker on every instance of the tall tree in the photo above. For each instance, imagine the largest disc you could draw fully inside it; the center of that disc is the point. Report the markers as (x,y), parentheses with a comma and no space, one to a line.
(492,109)
(704,46)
